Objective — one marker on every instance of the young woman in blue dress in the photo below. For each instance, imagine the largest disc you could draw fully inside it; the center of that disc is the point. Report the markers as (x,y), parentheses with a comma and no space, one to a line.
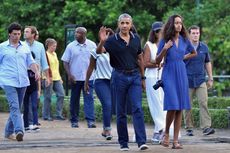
(174,47)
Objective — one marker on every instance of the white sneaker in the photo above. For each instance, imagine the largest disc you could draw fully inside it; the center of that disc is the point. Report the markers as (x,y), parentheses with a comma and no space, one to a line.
(31,127)
(143,147)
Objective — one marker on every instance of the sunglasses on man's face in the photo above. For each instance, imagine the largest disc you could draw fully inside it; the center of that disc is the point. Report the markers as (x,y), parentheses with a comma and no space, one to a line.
(157,31)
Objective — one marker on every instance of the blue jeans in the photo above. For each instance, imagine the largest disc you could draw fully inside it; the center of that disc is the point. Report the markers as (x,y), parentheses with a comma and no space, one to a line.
(128,85)
(14,97)
(33,99)
(103,91)
(75,102)
(57,87)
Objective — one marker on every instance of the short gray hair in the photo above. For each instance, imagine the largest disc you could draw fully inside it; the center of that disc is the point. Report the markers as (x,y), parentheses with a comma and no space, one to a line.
(124,15)
(82,29)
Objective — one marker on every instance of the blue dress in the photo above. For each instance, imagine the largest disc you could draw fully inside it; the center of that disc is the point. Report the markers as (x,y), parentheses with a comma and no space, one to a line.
(174,76)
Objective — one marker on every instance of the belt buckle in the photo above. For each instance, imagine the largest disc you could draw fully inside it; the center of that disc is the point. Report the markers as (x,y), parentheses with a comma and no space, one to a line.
(128,71)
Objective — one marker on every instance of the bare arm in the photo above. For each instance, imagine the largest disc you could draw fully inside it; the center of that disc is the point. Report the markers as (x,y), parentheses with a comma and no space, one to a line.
(39,88)
(34,68)
(190,55)
(164,51)
(141,68)
(48,78)
(67,69)
(103,36)
(209,72)
(147,58)
(91,67)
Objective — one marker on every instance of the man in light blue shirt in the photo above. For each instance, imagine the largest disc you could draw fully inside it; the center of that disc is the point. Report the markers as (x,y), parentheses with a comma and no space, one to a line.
(76,61)
(15,59)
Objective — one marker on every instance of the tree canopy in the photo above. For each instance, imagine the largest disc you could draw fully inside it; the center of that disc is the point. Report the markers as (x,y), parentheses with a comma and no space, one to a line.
(51,16)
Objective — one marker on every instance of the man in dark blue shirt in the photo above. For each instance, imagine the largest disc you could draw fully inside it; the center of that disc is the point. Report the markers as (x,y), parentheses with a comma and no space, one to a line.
(127,78)
(196,71)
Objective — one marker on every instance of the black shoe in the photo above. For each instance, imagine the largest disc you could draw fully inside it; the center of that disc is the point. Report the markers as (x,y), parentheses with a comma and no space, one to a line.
(107,136)
(92,125)
(208,131)
(74,125)
(189,132)
(19,136)
(48,119)
(124,148)
(60,118)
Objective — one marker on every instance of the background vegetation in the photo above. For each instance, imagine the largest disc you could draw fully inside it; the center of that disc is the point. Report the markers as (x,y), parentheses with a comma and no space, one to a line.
(51,16)
(217,109)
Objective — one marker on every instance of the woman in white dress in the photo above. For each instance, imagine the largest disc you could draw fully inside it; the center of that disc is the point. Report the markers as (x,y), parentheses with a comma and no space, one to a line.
(153,74)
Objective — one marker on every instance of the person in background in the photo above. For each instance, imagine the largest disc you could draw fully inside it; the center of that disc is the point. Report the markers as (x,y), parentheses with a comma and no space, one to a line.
(38,49)
(15,59)
(56,83)
(196,71)
(31,95)
(126,58)
(76,60)
(103,70)
(153,74)
(175,47)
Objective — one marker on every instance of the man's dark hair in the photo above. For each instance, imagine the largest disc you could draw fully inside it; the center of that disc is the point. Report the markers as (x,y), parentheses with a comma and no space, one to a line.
(14,26)
(193,27)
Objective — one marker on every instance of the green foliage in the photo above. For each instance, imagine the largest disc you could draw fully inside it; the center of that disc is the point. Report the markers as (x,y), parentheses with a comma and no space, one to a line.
(215,102)
(214,19)
(219,117)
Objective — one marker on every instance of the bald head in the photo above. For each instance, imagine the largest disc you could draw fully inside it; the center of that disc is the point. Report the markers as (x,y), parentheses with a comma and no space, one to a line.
(80,34)
(81,29)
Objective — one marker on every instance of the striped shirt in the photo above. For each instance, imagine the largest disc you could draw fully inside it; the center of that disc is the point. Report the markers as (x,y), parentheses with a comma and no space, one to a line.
(103,68)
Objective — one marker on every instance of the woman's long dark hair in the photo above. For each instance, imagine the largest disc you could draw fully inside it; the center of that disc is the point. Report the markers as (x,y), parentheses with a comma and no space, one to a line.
(169,29)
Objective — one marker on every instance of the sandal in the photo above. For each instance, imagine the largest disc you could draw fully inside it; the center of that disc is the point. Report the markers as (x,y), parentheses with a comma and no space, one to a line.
(165,140)
(176,145)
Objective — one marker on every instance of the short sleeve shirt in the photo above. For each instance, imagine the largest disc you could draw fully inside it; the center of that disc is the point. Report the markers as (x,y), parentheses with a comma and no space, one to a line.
(78,57)
(123,56)
(195,66)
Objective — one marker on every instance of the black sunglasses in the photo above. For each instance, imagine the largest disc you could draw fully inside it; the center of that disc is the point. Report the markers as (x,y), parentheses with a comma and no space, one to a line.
(157,31)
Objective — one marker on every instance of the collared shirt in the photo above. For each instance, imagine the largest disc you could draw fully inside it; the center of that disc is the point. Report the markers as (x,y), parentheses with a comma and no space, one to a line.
(14,63)
(195,66)
(78,57)
(54,65)
(103,68)
(123,56)
(40,54)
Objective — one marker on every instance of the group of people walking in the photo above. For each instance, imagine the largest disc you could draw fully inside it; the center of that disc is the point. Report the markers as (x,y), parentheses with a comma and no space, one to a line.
(119,70)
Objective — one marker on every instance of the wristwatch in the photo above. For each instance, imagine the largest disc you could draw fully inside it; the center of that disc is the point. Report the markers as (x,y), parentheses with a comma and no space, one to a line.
(143,77)
(210,79)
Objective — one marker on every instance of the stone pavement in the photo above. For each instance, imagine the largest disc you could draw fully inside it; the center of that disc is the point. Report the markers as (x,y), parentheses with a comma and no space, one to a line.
(59,137)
